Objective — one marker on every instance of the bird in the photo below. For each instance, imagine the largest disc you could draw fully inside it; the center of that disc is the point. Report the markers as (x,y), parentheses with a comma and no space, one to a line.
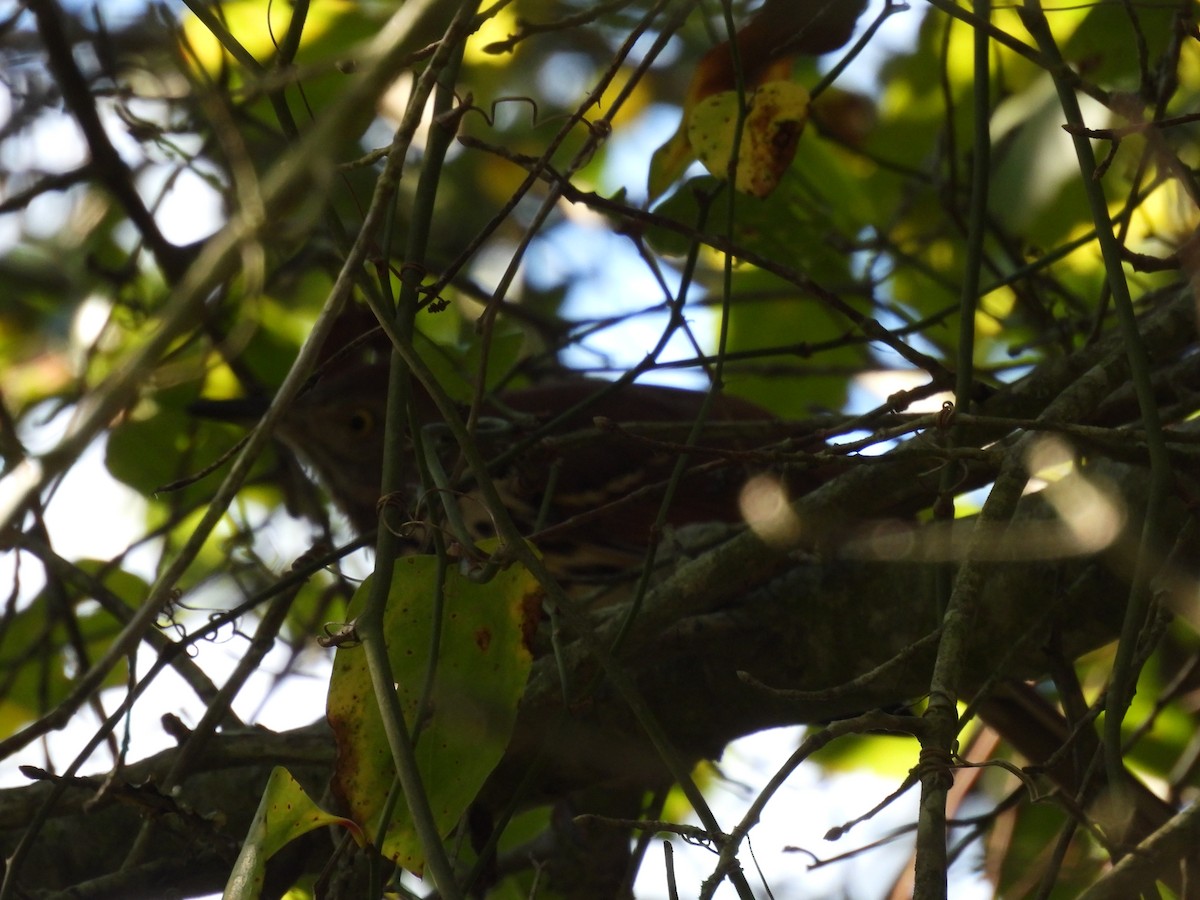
(587,490)
(586,487)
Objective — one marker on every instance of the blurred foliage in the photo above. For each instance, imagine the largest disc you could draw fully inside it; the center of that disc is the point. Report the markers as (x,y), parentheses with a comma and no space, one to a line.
(872,213)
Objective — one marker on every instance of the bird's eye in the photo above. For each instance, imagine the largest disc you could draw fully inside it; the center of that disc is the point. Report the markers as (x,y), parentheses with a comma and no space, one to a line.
(361,422)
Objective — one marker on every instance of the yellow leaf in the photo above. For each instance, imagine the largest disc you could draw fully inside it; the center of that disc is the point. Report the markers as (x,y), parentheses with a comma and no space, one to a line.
(774,121)
(257,26)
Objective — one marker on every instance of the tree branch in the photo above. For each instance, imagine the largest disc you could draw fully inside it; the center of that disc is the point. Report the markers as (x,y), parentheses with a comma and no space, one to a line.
(824,622)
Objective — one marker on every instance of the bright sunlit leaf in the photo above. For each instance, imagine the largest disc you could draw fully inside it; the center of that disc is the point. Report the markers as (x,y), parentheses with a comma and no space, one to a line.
(775,118)
(258,26)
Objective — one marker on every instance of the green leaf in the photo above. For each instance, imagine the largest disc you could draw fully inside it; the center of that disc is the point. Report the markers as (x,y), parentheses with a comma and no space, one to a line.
(168,445)
(39,656)
(796,223)
(148,453)
(668,163)
(456,367)
(285,813)
(483,663)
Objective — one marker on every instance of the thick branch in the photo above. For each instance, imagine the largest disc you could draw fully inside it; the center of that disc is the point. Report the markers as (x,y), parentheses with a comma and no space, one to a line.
(806,624)
(826,621)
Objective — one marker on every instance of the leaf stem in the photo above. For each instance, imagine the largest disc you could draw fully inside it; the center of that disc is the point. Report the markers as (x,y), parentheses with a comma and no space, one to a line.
(442,68)
(957,596)
(1123,682)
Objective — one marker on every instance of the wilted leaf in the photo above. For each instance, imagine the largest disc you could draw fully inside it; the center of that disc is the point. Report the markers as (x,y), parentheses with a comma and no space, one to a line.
(781,30)
(774,121)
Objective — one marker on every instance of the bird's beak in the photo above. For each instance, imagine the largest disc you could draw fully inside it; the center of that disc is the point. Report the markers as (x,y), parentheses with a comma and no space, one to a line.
(239,410)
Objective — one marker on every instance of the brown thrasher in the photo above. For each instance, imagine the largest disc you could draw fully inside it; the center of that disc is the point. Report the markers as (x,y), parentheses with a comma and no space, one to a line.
(593,492)
(587,492)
